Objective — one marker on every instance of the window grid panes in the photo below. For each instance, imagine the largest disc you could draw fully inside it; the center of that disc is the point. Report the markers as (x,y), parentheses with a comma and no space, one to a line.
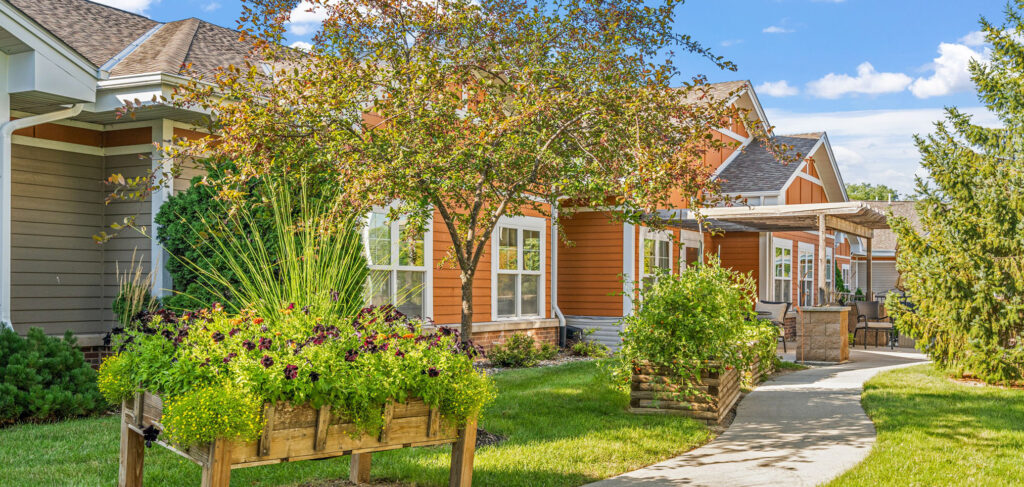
(783,275)
(806,262)
(519,280)
(398,265)
(657,254)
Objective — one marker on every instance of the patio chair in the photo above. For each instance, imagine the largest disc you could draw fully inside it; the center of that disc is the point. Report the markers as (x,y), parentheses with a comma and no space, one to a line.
(870,319)
(776,311)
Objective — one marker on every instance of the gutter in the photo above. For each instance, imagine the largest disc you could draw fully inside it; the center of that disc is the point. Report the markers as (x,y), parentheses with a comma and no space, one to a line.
(554,276)
(7,129)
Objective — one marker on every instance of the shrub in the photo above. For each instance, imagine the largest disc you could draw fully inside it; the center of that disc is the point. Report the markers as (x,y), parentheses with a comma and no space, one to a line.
(699,320)
(589,348)
(520,350)
(44,378)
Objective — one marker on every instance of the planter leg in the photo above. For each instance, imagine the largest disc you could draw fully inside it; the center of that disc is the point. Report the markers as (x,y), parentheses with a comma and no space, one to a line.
(217,472)
(133,450)
(461,474)
(359,468)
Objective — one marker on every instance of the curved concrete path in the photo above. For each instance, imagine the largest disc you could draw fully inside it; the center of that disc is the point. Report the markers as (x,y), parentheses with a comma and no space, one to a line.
(801,429)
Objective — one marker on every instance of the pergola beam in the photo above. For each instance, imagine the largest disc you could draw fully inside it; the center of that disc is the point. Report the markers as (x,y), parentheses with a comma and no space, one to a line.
(847,226)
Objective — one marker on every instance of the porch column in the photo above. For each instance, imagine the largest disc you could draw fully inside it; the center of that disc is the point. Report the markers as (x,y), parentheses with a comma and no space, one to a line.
(868,294)
(822,293)
(163,133)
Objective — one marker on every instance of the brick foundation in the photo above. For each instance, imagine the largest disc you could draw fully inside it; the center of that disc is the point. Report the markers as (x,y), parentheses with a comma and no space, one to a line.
(488,339)
(94,355)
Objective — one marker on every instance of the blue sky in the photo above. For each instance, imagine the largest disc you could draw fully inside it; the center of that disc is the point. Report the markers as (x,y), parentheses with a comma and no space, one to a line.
(871,73)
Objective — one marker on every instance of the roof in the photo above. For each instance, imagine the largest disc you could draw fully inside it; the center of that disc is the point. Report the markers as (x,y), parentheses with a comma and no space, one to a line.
(756,169)
(886,239)
(776,218)
(101,33)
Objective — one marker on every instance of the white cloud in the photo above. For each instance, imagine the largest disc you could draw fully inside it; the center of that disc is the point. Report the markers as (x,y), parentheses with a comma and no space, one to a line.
(137,6)
(777,89)
(951,72)
(868,81)
(304,21)
(305,46)
(731,42)
(774,29)
(210,7)
(974,39)
(874,146)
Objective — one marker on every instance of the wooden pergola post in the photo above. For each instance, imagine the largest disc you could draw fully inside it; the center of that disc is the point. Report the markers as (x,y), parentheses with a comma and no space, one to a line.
(822,292)
(868,294)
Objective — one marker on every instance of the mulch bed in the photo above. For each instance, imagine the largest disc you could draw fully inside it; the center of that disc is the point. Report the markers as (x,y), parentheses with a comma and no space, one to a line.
(562,358)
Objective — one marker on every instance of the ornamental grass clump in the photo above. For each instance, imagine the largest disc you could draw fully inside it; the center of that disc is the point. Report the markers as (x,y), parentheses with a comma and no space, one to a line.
(700,320)
(215,369)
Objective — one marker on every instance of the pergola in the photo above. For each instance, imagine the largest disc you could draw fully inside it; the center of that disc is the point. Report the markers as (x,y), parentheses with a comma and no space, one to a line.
(853,218)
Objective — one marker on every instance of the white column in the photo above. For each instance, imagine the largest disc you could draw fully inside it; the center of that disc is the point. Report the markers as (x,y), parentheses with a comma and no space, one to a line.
(628,263)
(163,133)
(5,201)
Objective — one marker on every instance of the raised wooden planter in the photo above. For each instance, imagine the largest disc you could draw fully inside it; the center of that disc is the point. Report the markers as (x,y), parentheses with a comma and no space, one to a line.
(649,387)
(299,433)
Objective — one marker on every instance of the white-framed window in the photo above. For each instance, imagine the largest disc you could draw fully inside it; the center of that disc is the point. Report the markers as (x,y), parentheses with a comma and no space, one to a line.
(806,274)
(844,271)
(518,258)
(655,253)
(782,277)
(830,267)
(400,265)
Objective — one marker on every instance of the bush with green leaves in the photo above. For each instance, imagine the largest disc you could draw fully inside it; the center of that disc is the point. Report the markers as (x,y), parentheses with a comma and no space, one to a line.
(44,378)
(585,347)
(521,350)
(699,320)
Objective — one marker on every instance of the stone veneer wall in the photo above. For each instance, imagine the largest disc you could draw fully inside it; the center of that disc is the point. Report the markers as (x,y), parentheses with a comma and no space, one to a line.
(823,335)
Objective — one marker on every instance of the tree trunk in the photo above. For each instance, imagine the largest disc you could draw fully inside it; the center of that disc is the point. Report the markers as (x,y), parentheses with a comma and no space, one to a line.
(467,306)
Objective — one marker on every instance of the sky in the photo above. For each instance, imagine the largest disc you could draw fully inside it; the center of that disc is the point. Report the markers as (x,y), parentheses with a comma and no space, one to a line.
(870,73)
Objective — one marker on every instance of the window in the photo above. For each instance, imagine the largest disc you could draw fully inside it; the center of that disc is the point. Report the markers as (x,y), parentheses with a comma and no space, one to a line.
(806,276)
(399,265)
(830,268)
(657,254)
(783,275)
(518,280)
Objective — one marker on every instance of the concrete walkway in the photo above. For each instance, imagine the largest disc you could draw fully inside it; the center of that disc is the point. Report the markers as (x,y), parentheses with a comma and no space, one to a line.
(801,429)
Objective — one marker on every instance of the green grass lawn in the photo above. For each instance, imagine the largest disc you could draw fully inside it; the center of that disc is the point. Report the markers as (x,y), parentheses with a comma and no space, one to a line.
(564,428)
(932,432)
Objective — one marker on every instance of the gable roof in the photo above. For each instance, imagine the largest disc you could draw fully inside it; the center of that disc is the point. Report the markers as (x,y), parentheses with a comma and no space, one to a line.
(756,169)
(104,34)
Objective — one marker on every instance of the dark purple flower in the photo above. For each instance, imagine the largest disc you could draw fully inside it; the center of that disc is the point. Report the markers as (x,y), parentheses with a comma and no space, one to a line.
(313,376)
(399,353)
(150,435)
(305,309)
(248,345)
(351,356)
(264,344)
(432,372)
(266,361)
(233,332)
(263,328)
(166,334)
(291,371)
(229,357)
(217,336)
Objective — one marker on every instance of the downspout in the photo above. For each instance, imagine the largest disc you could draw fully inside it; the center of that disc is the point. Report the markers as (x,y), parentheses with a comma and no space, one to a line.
(554,275)
(7,130)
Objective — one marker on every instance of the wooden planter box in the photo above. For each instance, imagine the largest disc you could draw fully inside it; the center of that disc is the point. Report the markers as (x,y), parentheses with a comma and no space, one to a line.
(650,384)
(299,433)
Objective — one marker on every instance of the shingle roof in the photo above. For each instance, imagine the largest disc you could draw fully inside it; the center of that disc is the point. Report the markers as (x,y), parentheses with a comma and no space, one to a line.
(757,169)
(717,90)
(886,239)
(99,33)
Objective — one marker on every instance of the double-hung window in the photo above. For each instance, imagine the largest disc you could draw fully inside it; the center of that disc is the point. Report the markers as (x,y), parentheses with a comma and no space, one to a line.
(657,254)
(783,276)
(806,276)
(830,268)
(517,286)
(399,262)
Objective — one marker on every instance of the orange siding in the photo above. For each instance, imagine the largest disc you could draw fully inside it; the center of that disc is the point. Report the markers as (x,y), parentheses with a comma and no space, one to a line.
(136,136)
(63,133)
(811,169)
(739,251)
(589,272)
(803,191)
(448,284)
(189,134)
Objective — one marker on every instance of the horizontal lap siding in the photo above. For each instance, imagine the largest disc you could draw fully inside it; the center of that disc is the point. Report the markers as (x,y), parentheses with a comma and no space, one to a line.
(57,268)
(589,272)
(739,251)
(119,252)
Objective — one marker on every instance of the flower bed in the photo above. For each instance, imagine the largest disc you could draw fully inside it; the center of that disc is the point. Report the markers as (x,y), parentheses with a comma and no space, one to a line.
(239,390)
(656,391)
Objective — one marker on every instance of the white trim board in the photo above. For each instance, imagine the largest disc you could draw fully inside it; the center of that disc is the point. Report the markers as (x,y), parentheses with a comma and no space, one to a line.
(80,148)
(520,223)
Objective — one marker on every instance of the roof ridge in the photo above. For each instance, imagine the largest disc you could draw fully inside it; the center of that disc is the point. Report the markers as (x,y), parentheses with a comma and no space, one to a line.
(111,7)
(191,42)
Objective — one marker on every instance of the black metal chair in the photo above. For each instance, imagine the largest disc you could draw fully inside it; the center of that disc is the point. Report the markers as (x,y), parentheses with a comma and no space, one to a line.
(777,315)
(870,319)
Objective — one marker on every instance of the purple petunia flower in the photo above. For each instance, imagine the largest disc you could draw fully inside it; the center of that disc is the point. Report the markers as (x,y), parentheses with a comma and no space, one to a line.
(264,344)
(314,376)
(399,353)
(351,356)
(291,371)
(217,336)
(249,345)
(263,328)
(432,372)
(305,309)
(229,357)
(266,361)
(233,332)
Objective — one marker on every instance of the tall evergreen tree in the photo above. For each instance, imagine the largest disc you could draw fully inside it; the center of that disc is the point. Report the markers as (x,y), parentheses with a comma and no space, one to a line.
(964,270)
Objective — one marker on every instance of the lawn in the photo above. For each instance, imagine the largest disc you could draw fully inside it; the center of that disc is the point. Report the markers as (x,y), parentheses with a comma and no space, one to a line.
(564,428)
(932,431)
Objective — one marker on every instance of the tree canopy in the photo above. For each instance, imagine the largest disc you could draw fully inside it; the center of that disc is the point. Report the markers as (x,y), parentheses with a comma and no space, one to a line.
(871,192)
(472,109)
(964,270)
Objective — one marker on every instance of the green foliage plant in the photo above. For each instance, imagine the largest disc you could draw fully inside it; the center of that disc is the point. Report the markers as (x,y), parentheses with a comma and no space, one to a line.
(521,350)
(699,320)
(871,192)
(589,348)
(135,290)
(44,378)
(963,270)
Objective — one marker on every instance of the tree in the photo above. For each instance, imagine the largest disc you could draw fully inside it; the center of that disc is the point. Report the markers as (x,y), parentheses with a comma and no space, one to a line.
(964,270)
(871,192)
(473,109)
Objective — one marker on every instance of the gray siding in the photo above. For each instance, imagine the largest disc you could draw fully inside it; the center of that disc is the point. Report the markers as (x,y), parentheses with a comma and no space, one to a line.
(607,328)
